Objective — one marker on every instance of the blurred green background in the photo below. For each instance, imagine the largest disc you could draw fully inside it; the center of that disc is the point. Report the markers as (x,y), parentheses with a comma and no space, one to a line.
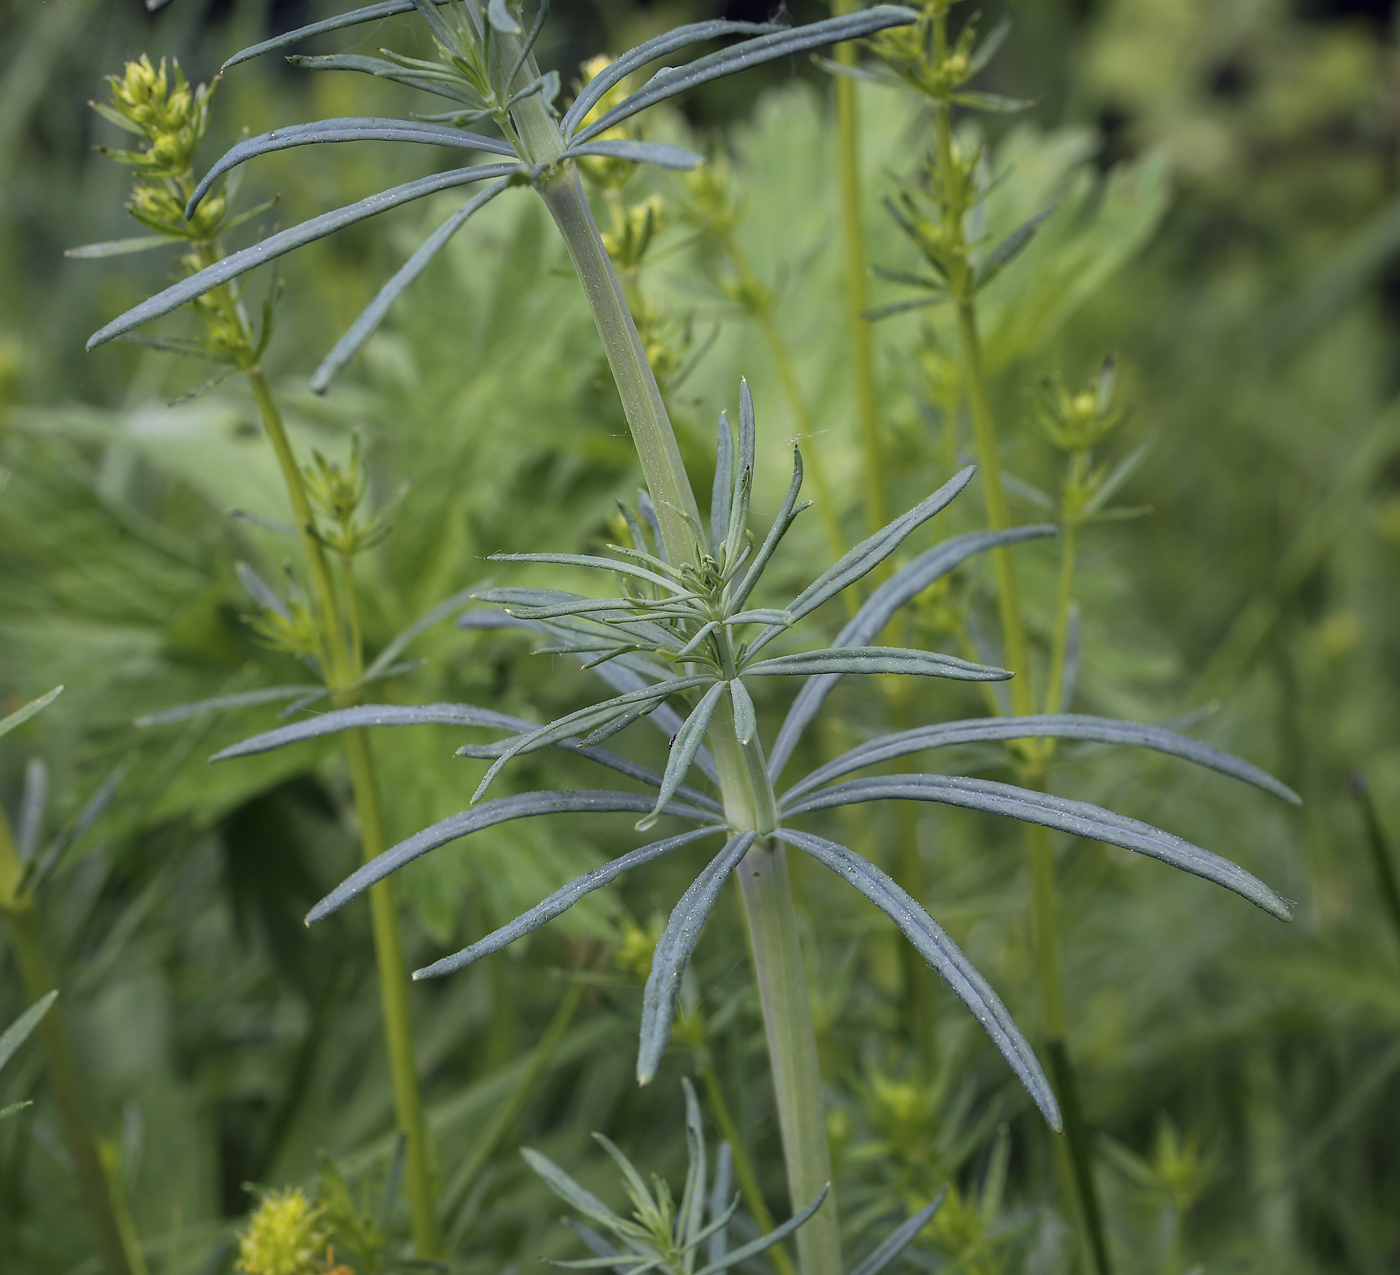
(1231,227)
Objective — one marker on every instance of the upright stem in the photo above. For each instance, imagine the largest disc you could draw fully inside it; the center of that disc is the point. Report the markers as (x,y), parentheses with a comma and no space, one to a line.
(121,1255)
(857,280)
(748,794)
(792,1049)
(341,660)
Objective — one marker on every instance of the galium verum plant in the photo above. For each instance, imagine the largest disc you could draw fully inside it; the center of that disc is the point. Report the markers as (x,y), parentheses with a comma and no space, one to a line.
(680,641)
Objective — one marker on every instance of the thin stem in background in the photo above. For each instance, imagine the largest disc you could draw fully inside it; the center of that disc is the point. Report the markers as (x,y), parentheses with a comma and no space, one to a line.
(116,1242)
(1386,879)
(857,281)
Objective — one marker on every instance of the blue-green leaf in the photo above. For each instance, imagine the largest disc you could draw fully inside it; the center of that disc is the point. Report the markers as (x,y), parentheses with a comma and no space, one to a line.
(22,715)
(285,241)
(1078,818)
(673,951)
(488,815)
(659,153)
(764,1242)
(500,17)
(568,1190)
(438,83)
(670,81)
(745,714)
(370,13)
(723,490)
(900,1238)
(876,659)
(790,509)
(373,314)
(400,641)
(349,129)
(560,902)
(719,1211)
(683,749)
(222,703)
(929,940)
(867,623)
(23,1027)
(648,51)
(1101,730)
(120,247)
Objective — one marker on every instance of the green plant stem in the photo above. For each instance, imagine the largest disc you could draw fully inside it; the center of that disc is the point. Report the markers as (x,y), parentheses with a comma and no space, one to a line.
(121,1254)
(857,280)
(1064,607)
(792,1049)
(748,794)
(341,660)
(1379,843)
(1031,763)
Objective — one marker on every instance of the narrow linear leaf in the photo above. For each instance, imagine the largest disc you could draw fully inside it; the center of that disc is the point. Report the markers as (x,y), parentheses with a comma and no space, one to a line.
(868,555)
(488,815)
(23,1027)
(665,718)
(560,902)
(444,610)
(345,129)
(1078,818)
(22,715)
(987,50)
(930,941)
(500,17)
(33,803)
(595,563)
(658,153)
(879,312)
(1009,248)
(723,490)
(568,1190)
(900,1238)
(877,659)
(719,1213)
(261,592)
(120,247)
(906,584)
(370,13)
(789,510)
(687,743)
(764,1242)
(657,47)
(744,459)
(425,77)
(673,951)
(373,314)
(691,1214)
(285,241)
(669,82)
(996,103)
(222,703)
(1102,730)
(745,714)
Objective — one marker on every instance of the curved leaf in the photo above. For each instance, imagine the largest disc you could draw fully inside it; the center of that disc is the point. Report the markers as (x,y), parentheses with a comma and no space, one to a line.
(648,51)
(560,902)
(1078,818)
(23,1027)
(877,659)
(373,314)
(683,749)
(22,715)
(440,83)
(669,81)
(764,1242)
(1101,730)
(789,510)
(658,153)
(348,129)
(285,241)
(929,940)
(868,555)
(867,623)
(900,1238)
(673,951)
(221,703)
(370,13)
(488,815)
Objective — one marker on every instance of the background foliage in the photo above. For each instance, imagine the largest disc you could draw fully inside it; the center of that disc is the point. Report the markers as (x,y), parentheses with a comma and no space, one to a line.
(1226,176)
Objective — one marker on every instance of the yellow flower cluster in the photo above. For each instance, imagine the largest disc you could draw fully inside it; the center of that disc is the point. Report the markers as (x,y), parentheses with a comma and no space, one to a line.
(286,1236)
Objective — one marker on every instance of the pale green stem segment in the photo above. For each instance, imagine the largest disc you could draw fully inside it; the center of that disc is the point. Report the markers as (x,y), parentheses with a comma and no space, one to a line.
(792,1049)
(749,802)
(115,1236)
(858,280)
(341,662)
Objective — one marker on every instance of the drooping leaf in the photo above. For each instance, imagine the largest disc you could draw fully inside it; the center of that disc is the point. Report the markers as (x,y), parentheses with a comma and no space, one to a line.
(876,659)
(285,241)
(488,815)
(1078,818)
(1102,730)
(560,902)
(906,583)
(673,951)
(222,703)
(347,129)
(683,749)
(929,940)
(373,314)
(669,81)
